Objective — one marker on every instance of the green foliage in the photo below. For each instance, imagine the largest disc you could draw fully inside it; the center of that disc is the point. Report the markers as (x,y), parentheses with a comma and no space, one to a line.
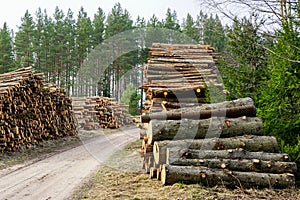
(244,64)
(131,97)
(134,103)
(280,94)
(24,42)
(127,94)
(6,50)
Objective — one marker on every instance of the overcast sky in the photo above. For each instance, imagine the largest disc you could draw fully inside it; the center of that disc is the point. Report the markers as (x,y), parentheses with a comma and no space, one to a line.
(12,10)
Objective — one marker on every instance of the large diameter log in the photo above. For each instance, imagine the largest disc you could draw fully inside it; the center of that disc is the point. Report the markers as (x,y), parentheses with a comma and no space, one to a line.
(243,165)
(174,154)
(245,107)
(205,128)
(232,179)
(248,111)
(249,143)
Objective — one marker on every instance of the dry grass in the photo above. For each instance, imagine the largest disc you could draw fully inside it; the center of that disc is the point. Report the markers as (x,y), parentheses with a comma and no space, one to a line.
(117,181)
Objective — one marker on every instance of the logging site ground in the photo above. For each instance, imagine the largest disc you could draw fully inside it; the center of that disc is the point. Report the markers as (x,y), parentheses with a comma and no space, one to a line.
(65,169)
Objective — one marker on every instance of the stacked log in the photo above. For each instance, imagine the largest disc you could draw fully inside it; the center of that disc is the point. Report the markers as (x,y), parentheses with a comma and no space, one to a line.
(32,111)
(85,113)
(111,114)
(100,112)
(231,151)
(178,75)
(187,139)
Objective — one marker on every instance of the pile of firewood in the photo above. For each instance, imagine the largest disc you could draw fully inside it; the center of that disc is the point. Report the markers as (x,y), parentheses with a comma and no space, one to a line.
(100,112)
(208,143)
(32,111)
(178,75)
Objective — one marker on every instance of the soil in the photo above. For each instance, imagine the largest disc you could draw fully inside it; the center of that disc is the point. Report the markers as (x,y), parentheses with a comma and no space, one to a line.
(59,169)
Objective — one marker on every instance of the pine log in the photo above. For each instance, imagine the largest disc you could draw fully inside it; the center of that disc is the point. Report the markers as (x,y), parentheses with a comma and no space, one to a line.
(239,111)
(175,153)
(232,179)
(219,108)
(205,128)
(244,165)
(249,143)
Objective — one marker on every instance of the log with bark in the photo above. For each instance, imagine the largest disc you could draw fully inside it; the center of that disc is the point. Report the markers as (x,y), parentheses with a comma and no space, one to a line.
(232,179)
(176,153)
(236,108)
(249,143)
(244,165)
(205,128)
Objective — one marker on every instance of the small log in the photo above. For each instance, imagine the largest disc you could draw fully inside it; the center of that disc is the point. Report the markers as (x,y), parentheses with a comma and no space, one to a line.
(249,143)
(244,165)
(174,154)
(232,179)
(205,128)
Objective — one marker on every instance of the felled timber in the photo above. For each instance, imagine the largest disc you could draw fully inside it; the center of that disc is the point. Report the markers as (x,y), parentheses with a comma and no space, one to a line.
(204,128)
(174,154)
(243,165)
(248,142)
(232,179)
(32,111)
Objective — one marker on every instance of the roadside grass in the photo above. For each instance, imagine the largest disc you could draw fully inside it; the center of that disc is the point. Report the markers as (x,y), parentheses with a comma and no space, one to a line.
(116,181)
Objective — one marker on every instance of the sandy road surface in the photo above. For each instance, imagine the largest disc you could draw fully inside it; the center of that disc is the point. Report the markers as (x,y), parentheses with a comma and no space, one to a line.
(57,176)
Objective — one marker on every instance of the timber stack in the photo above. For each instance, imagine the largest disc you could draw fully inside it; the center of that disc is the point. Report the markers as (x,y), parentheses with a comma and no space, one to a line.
(201,142)
(85,113)
(111,114)
(100,112)
(178,75)
(32,111)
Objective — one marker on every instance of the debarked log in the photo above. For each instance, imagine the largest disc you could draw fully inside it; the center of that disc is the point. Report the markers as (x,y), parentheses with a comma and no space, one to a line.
(232,179)
(244,165)
(175,153)
(204,128)
(248,142)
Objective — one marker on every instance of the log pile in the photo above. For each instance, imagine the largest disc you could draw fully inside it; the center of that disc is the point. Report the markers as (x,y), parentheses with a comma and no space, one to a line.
(211,143)
(100,112)
(178,75)
(32,111)
(85,113)
(111,114)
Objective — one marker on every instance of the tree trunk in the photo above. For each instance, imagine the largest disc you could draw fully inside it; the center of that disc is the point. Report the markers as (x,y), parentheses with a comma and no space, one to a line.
(239,111)
(249,143)
(244,165)
(235,108)
(205,128)
(232,179)
(176,153)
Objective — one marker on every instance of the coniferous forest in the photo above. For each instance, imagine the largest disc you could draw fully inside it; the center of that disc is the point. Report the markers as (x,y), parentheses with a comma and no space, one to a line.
(255,60)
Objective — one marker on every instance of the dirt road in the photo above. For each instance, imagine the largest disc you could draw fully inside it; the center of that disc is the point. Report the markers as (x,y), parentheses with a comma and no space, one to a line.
(57,176)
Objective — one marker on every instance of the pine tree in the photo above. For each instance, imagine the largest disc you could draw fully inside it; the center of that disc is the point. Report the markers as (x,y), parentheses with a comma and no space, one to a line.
(6,50)
(190,29)
(24,42)
(118,21)
(98,27)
